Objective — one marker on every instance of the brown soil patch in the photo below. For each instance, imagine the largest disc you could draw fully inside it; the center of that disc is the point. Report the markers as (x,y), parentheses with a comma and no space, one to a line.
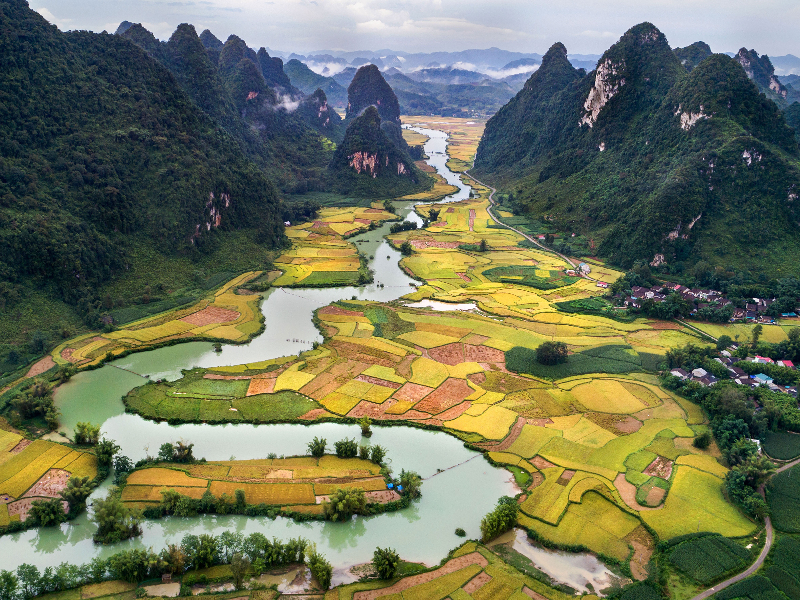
(422,244)
(566,476)
(403,368)
(507,441)
(412,391)
(616,424)
(451,209)
(449,354)
(451,566)
(314,414)
(628,493)
(483,354)
(374,210)
(365,354)
(378,381)
(536,480)
(539,422)
(643,546)
(50,484)
(424,167)
(451,392)
(66,354)
(475,339)
(656,495)
(6,499)
(383,496)
(245,292)
(477,378)
(471,219)
(338,310)
(531,594)
(660,467)
(452,413)
(261,385)
(211,314)
(663,325)
(464,277)
(23,507)
(477,582)
(40,367)
(500,381)
(541,463)
(20,446)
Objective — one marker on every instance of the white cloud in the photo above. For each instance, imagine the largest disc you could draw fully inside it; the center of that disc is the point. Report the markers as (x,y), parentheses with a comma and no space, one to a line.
(51,18)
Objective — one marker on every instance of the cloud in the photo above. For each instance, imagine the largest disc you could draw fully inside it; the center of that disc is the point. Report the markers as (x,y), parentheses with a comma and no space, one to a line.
(51,18)
(590,33)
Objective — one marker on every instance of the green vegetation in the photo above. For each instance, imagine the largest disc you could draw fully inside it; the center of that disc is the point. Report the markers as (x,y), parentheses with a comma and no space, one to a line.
(551,353)
(385,561)
(782,445)
(500,520)
(115,522)
(783,496)
(530,276)
(656,176)
(343,503)
(320,569)
(317,446)
(708,559)
(603,359)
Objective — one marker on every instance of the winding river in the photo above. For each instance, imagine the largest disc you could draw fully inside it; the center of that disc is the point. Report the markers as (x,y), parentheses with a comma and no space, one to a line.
(454,475)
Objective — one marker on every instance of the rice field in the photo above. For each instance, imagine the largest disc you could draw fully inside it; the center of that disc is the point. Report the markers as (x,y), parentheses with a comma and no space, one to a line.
(37,471)
(294,481)
(224,315)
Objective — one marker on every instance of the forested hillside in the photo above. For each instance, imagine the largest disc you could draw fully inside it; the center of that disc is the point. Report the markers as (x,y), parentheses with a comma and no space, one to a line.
(103,153)
(652,161)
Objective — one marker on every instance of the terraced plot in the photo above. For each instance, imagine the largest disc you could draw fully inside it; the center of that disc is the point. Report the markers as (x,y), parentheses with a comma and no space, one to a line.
(225,315)
(320,256)
(288,483)
(36,470)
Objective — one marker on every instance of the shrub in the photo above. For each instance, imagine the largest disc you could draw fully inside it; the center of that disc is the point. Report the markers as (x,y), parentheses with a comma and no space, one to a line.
(377,454)
(317,446)
(115,522)
(411,482)
(344,503)
(460,532)
(702,441)
(365,423)
(346,448)
(406,249)
(500,520)
(385,561)
(320,568)
(87,434)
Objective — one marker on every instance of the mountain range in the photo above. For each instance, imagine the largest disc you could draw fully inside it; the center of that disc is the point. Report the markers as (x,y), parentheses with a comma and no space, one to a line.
(666,157)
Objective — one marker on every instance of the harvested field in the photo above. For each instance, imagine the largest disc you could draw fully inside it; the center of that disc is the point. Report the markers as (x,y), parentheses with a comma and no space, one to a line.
(41,366)
(212,314)
(50,484)
(447,395)
(660,467)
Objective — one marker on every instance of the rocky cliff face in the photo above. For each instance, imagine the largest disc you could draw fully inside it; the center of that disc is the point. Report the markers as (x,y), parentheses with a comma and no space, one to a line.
(761,71)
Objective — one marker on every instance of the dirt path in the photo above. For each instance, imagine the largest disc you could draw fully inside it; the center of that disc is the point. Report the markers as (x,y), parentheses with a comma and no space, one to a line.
(764,551)
(696,330)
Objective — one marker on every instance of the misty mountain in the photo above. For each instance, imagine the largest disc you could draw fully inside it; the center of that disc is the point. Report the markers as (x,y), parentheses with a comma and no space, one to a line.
(308,82)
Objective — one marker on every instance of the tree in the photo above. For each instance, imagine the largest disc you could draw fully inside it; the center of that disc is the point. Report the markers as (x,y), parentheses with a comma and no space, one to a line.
(174,559)
(741,451)
(86,434)
(202,551)
(77,491)
(723,342)
(433,214)
(105,451)
(8,585)
(122,466)
(756,335)
(131,565)
(320,568)
(240,565)
(344,503)
(385,561)
(500,520)
(377,454)
(406,249)
(702,441)
(483,246)
(115,522)
(551,353)
(411,483)
(29,580)
(317,446)
(756,470)
(365,423)
(47,512)
(166,452)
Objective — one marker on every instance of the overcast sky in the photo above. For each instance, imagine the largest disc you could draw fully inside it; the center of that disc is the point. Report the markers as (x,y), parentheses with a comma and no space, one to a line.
(584,26)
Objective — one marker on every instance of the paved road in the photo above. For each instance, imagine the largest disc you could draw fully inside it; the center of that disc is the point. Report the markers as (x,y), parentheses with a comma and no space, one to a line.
(764,551)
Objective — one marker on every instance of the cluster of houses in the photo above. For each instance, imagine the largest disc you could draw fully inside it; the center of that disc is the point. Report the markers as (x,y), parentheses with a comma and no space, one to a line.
(704,378)
(754,311)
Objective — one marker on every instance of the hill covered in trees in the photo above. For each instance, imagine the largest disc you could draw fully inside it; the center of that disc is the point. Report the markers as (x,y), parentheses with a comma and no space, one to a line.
(651,160)
(102,153)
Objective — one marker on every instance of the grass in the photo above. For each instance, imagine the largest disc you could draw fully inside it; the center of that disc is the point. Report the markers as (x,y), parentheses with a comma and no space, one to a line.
(493,424)
(603,359)
(783,496)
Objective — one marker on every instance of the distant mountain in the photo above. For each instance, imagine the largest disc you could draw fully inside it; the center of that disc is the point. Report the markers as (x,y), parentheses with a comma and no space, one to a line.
(308,82)
(693,55)
(650,161)
(786,65)
(522,62)
(369,88)
(447,76)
